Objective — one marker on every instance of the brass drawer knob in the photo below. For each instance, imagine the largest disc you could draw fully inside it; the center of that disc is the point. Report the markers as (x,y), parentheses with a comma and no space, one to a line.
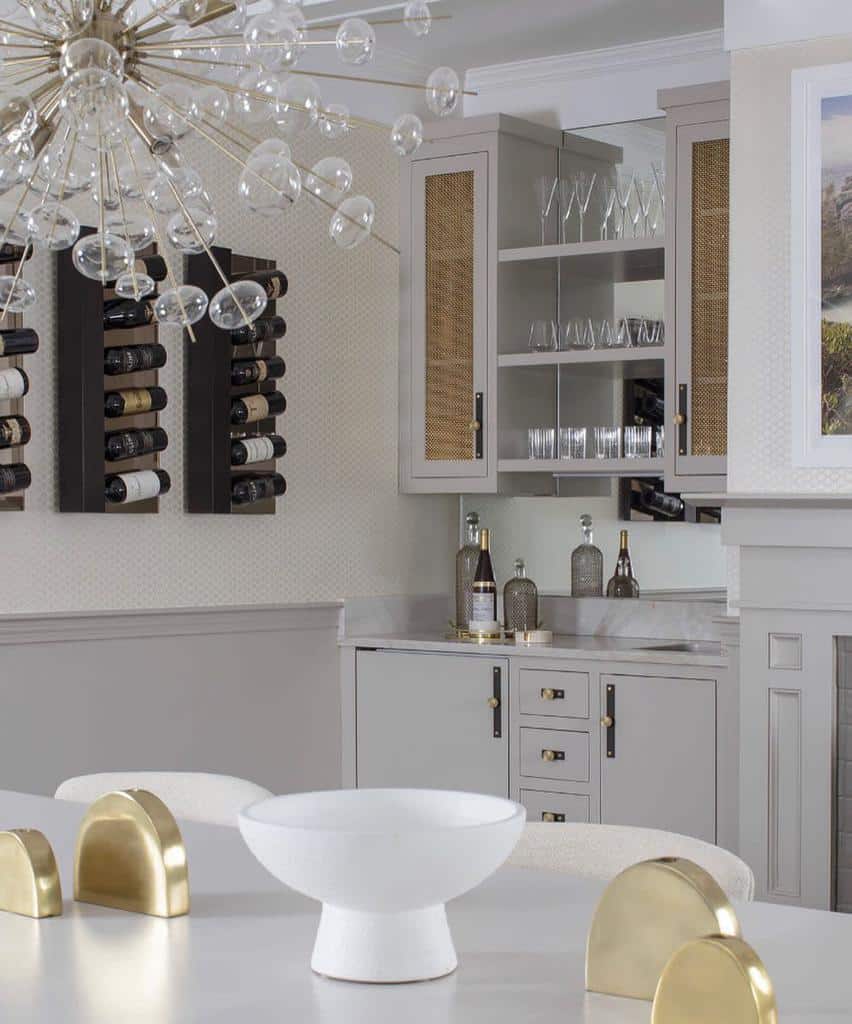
(679,419)
(493,703)
(607,721)
(474,425)
(548,755)
(548,694)
(548,816)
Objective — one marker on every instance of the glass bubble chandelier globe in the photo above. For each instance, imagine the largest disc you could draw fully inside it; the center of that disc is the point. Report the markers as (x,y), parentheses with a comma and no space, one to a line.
(98,97)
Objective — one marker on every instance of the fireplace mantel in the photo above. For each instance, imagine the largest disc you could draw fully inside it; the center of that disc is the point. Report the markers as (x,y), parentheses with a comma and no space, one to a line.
(795,600)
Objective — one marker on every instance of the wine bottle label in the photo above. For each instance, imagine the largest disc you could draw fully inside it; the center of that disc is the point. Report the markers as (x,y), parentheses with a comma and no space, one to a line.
(257,407)
(273,288)
(136,400)
(262,369)
(11,432)
(260,489)
(141,485)
(258,449)
(12,384)
(13,478)
(484,608)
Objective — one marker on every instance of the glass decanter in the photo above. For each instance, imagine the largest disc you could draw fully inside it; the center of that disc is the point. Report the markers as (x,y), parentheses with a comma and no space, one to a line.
(520,601)
(466,559)
(586,564)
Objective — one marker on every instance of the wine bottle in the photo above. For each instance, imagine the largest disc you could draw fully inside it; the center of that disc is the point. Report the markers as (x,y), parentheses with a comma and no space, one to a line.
(257,407)
(14,383)
(124,488)
(268,329)
(651,408)
(153,266)
(623,583)
(131,444)
(257,449)
(133,358)
(658,501)
(483,613)
(14,431)
(18,342)
(132,401)
(245,490)
(14,477)
(125,314)
(252,371)
(10,253)
(274,282)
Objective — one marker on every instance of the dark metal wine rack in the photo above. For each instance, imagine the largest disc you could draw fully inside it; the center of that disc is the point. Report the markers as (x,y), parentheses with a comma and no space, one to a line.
(16,501)
(82,341)
(209,393)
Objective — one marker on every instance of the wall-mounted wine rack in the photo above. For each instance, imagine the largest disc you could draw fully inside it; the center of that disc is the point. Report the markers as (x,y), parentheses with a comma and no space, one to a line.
(14,455)
(210,359)
(83,345)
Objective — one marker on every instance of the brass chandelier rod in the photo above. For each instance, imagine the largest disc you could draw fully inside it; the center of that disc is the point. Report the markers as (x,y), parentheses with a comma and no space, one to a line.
(252,94)
(31,33)
(375,81)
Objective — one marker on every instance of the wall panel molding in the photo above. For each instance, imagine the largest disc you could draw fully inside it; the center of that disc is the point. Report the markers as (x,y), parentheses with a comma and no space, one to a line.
(785,794)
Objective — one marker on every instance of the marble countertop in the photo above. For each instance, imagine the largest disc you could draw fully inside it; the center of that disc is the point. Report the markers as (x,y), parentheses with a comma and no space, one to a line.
(581,648)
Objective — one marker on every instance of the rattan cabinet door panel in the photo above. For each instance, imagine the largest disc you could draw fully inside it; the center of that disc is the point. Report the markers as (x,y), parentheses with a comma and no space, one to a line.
(449,331)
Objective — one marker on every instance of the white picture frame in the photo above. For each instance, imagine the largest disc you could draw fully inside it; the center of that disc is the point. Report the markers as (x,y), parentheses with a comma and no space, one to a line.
(809,88)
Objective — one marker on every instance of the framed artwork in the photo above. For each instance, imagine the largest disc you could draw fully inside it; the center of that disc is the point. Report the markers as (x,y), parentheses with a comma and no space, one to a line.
(821,263)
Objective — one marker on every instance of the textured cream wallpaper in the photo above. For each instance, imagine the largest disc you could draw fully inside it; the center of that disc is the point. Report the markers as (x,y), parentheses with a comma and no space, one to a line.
(341,529)
(759,416)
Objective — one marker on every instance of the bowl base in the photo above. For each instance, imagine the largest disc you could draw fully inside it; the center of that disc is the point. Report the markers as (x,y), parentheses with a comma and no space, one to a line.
(384,948)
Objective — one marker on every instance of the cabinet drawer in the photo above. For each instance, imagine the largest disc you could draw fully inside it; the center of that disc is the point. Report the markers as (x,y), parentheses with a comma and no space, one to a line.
(563,806)
(570,750)
(548,692)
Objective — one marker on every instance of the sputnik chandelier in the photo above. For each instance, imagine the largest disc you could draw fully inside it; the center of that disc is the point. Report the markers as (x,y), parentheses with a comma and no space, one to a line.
(98,96)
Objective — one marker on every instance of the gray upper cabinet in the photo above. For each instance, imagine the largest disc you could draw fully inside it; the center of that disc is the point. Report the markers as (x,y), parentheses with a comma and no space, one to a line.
(697,222)
(425,720)
(453,220)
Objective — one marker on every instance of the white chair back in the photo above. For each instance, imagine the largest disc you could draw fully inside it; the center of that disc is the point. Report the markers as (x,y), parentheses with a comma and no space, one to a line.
(194,796)
(603,851)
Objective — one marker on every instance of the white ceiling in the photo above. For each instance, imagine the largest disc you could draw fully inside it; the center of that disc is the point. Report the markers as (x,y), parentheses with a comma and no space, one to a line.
(483,32)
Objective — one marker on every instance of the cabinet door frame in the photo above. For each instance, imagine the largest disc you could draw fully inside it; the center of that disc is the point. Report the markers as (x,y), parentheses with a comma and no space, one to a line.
(416,473)
(685,126)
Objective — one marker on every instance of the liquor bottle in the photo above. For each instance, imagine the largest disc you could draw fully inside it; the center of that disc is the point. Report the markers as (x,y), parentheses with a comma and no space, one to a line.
(267,329)
(131,444)
(520,601)
(257,407)
(651,408)
(658,501)
(125,488)
(466,559)
(133,358)
(252,371)
(274,282)
(483,614)
(249,450)
(125,314)
(623,582)
(14,383)
(586,564)
(14,477)
(247,489)
(14,431)
(153,266)
(19,342)
(131,401)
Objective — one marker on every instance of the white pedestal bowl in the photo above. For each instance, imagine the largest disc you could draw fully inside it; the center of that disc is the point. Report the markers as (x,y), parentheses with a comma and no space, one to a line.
(383,862)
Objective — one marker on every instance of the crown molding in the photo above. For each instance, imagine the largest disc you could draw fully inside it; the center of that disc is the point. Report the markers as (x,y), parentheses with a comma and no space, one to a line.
(612,59)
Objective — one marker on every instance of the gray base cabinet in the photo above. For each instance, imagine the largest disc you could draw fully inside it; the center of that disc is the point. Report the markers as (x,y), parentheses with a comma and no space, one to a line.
(599,741)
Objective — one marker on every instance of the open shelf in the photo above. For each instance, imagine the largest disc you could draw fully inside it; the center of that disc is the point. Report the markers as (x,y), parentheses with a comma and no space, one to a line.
(584,467)
(585,357)
(618,259)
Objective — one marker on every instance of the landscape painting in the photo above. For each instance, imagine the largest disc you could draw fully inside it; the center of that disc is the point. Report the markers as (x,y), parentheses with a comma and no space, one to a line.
(836,250)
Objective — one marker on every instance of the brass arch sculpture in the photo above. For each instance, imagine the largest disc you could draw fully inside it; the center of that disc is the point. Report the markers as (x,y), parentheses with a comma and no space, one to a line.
(645,914)
(130,856)
(29,880)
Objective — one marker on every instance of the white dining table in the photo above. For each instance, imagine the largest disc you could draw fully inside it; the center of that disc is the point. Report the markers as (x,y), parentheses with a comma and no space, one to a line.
(242,954)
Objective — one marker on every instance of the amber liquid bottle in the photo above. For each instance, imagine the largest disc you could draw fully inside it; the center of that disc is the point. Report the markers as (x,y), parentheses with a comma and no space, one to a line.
(623,582)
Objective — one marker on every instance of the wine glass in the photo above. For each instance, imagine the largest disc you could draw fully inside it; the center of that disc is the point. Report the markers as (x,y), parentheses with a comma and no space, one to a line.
(645,189)
(584,182)
(623,192)
(567,199)
(545,190)
(659,173)
(607,206)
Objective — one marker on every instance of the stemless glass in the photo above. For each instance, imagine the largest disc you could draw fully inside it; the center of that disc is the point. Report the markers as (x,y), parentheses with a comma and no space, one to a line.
(584,182)
(607,442)
(545,190)
(572,442)
(622,334)
(637,442)
(659,442)
(567,201)
(605,335)
(576,334)
(542,336)
(656,332)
